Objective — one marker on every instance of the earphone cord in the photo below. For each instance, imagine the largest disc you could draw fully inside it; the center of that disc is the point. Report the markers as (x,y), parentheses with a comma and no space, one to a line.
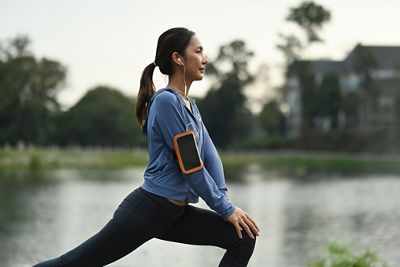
(184,80)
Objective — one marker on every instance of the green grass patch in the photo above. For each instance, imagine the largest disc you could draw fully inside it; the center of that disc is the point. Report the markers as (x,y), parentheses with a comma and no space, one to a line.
(340,256)
(316,162)
(52,159)
(307,162)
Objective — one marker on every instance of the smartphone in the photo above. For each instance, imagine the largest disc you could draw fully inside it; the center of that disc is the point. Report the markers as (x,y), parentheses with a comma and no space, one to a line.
(187,152)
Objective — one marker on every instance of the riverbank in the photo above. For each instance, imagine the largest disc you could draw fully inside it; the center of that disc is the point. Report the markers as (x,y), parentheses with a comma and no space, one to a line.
(291,161)
(36,159)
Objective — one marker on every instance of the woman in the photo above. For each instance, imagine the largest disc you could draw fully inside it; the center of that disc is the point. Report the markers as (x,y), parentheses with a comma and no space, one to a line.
(159,208)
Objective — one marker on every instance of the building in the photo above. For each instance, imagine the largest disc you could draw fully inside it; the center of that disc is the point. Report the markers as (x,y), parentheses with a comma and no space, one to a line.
(386,74)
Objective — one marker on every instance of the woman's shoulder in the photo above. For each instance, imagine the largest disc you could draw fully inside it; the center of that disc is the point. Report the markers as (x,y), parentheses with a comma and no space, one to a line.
(165,98)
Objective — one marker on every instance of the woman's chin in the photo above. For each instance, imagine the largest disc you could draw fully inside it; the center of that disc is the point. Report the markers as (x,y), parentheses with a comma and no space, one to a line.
(200,77)
(197,77)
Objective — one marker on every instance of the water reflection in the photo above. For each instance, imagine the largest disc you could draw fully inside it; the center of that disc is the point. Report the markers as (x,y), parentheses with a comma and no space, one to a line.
(359,212)
(45,214)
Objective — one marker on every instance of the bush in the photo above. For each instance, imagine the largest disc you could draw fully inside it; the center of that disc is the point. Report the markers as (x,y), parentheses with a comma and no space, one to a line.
(339,256)
(34,163)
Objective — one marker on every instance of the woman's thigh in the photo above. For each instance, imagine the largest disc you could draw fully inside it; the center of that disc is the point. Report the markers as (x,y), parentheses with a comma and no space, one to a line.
(199,226)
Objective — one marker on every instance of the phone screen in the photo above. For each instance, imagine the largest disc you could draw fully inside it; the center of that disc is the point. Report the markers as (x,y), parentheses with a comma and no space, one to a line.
(188,155)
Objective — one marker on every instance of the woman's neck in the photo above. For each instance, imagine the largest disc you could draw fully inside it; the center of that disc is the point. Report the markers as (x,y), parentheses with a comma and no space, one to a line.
(176,82)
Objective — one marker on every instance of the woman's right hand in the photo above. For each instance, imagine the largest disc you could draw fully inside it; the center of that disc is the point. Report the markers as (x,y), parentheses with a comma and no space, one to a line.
(242,220)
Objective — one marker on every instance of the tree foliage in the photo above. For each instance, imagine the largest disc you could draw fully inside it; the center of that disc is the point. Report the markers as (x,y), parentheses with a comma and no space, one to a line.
(330,98)
(291,47)
(363,64)
(28,90)
(272,119)
(310,17)
(102,117)
(223,108)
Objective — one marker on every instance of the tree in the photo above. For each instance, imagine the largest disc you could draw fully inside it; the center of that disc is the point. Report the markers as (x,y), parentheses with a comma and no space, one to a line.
(310,17)
(351,108)
(28,89)
(223,108)
(103,117)
(291,47)
(330,98)
(308,87)
(363,64)
(272,118)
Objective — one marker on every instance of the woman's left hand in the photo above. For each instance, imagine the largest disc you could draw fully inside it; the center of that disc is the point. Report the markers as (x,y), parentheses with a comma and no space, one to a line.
(241,219)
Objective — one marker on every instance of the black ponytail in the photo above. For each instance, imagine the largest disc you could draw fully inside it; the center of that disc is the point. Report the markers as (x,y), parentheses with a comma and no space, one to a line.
(146,91)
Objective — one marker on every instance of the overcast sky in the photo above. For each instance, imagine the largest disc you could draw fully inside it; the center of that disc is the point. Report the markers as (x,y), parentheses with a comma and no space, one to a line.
(110,42)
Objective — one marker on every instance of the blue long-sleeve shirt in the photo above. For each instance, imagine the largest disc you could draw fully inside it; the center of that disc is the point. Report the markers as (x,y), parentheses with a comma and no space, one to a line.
(168,116)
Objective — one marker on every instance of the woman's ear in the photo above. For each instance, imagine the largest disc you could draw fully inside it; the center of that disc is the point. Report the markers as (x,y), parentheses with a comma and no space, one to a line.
(177,59)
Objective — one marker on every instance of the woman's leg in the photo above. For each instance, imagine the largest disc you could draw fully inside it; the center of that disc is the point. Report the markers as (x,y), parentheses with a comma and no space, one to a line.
(204,227)
(137,219)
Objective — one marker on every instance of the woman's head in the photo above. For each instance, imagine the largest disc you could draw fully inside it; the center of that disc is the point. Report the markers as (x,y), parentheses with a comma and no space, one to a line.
(172,43)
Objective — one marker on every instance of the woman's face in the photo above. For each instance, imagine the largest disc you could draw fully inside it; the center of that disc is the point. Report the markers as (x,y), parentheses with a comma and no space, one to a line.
(195,61)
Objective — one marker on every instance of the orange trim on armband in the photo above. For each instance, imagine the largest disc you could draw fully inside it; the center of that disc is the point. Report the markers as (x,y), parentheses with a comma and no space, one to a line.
(179,156)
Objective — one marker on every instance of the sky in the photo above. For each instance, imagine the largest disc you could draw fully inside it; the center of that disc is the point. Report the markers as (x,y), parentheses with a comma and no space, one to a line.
(104,42)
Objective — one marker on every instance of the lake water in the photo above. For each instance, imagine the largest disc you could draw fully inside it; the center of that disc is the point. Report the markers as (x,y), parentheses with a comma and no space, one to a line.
(45,214)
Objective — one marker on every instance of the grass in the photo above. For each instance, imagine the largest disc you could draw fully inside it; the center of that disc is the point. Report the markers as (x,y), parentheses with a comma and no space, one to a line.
(35,159)
(310,162)
(299,162)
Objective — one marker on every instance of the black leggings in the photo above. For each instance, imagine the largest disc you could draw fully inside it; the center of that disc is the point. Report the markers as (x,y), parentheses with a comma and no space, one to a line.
(143,216)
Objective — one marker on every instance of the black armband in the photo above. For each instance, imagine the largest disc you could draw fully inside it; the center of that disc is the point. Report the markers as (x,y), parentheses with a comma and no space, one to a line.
(187,153)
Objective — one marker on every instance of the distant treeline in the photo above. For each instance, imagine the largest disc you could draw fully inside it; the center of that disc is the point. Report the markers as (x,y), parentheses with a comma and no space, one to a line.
(310,111)
(30,113)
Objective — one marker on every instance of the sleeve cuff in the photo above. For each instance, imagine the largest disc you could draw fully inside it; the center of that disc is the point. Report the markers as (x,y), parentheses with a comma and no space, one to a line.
(228,212)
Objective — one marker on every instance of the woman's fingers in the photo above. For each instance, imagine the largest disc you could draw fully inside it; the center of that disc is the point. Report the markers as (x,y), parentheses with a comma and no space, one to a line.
(253,227)
(246,227)
(238,230)
(254,223)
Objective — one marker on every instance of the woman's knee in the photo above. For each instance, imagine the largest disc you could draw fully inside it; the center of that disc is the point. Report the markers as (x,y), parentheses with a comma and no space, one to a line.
(239,253)
(244,247)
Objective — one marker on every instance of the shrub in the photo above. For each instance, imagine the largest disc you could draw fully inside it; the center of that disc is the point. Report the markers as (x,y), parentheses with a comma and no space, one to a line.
(339,256)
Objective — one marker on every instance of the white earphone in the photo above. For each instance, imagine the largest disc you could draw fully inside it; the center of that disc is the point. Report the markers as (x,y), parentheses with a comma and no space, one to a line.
(184,74)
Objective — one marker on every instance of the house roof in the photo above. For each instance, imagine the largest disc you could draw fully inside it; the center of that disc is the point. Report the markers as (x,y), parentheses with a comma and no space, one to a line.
(388,57)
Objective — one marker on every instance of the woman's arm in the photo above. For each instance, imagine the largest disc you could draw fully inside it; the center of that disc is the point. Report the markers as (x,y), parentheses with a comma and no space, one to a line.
(169,122)
(212,162)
